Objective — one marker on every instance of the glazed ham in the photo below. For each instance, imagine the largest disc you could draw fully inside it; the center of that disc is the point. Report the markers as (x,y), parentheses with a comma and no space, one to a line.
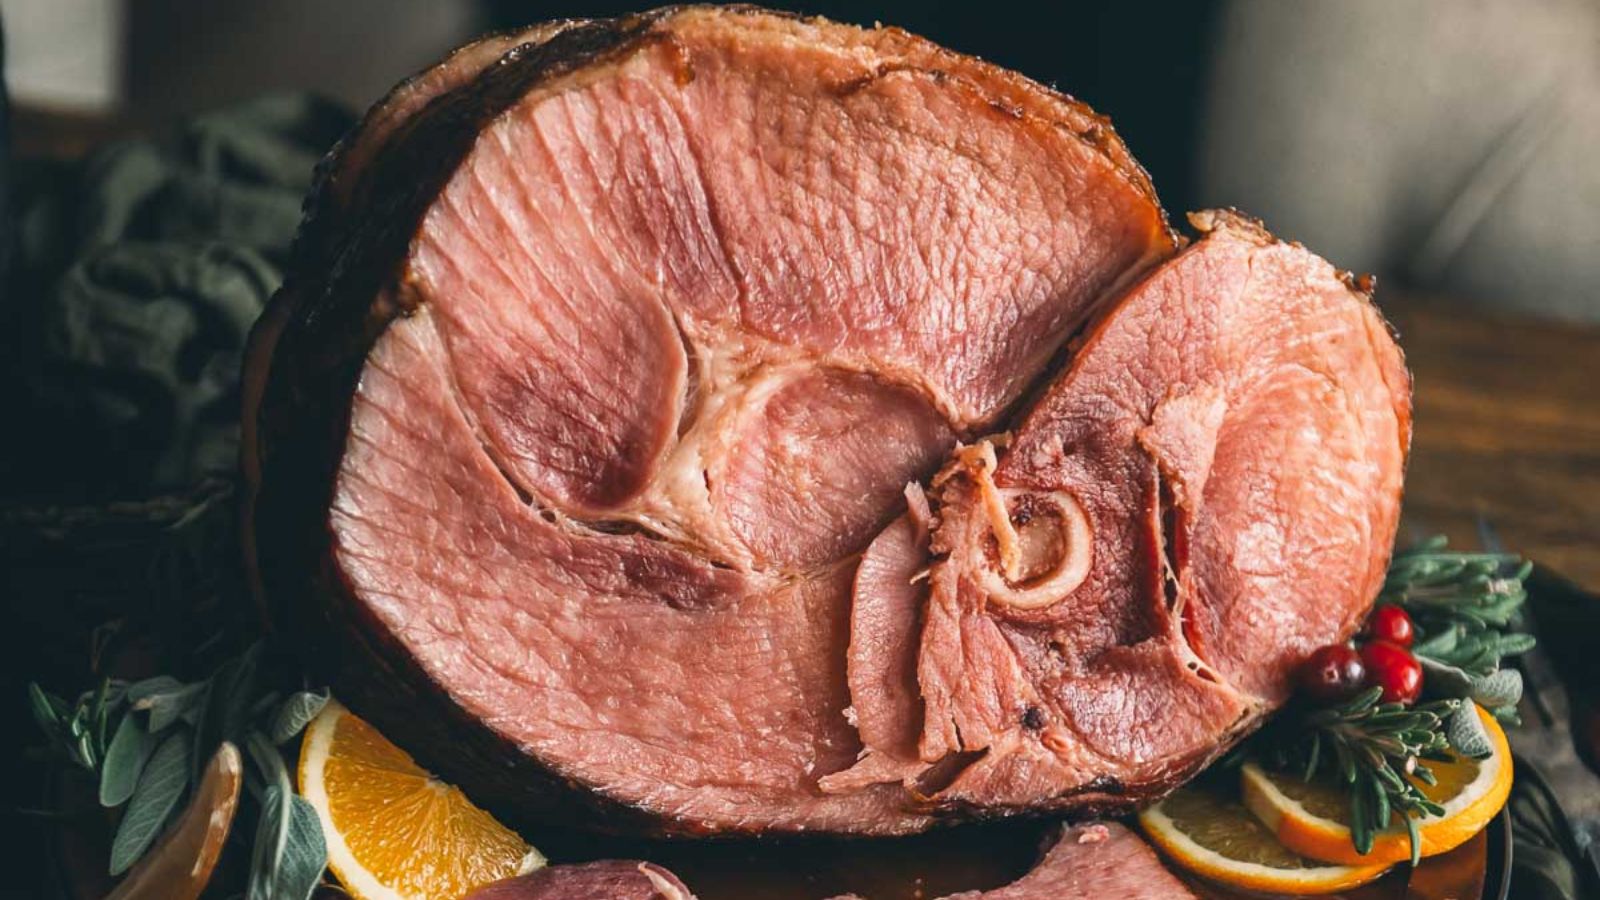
(1088,862)
(579,439)
(1205,494)
(612,879)
(1085,862)
(1092,862)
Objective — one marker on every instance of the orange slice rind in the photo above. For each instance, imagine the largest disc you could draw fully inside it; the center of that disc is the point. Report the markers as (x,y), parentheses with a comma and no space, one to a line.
(1205,829)
(394,832)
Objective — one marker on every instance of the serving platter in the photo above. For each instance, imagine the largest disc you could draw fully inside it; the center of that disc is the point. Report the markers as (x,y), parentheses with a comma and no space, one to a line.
(915,868)
(978,857)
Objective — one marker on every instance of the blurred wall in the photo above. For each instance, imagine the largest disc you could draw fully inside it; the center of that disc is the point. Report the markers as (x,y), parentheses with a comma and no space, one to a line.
(1444,144)
(187,54)
(146,60)
(64,53)
(1448,143)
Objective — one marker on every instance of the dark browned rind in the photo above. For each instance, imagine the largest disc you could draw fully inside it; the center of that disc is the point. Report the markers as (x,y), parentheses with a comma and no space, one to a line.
(342,291)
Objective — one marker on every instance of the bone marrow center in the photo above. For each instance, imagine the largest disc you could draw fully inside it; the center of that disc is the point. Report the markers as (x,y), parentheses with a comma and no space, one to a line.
(1047,545)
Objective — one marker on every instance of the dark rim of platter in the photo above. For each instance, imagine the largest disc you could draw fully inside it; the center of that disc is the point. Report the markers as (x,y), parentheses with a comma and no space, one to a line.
(1497,874)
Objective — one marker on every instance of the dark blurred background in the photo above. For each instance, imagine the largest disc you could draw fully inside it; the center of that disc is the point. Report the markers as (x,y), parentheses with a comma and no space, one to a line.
(1445,143)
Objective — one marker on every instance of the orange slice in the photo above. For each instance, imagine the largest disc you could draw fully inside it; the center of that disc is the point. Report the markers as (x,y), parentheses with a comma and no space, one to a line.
(1309,818)
(393,831)
(1204,828)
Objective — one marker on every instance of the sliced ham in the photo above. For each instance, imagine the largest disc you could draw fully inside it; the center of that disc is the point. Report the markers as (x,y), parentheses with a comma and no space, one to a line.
(1092,862)
(1208,492)
(1088,862)
(612,879)
(579,438)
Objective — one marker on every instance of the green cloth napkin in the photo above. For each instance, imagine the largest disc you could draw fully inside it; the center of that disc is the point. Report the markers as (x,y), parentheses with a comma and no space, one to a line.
(137,275)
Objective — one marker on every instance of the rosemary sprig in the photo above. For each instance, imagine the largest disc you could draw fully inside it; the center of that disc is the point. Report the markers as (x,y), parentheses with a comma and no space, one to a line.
(1371,748)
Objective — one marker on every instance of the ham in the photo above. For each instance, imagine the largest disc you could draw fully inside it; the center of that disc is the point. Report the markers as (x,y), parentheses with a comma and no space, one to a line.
(1092,862)
(1207,492)
(611,879)
(1086,862)
(579,439)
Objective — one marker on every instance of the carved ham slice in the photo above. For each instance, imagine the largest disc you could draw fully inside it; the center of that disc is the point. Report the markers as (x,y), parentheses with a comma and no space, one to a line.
(1208,492)
(610,346)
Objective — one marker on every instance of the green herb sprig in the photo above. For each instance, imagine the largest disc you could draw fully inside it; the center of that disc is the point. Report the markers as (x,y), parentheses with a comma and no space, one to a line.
(78,731)
(1465,607)
(1369,747)
(148,742)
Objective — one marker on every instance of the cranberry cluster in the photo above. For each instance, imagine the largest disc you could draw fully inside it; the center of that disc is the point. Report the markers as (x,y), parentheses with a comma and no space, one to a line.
(1382,659)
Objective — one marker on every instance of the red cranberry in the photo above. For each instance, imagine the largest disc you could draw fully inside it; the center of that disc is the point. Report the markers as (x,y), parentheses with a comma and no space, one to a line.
(1390,623)
(1332,673)
(1393,668)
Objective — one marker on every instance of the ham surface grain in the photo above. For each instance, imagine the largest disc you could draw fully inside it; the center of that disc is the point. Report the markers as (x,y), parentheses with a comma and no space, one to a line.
(578,440)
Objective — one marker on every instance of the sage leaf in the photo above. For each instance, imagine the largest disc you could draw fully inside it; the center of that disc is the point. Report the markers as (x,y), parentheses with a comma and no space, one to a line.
(290,853)
(1443,642)
(141,691)
(1445,680)
(47,710)
(1503,688)
(126,756)
(272,841)
(1466,733)
(296,713)
(181,704)
(161,784)
(269,762)
(100,709)
(226,711)
(1514,644)
(305,854)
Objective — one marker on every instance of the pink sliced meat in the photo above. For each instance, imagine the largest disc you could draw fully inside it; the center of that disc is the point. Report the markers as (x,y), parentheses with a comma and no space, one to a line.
(1206,494)
(1088,862)
(579,439)
(1092,862)
(612,879)
(1085,862)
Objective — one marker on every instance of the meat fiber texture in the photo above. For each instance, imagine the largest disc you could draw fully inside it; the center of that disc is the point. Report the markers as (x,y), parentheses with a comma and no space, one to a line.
(629,440)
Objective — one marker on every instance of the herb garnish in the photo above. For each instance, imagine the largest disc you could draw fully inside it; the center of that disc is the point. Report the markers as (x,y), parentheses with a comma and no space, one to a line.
(1369,747)
(148,743)
(1464,606)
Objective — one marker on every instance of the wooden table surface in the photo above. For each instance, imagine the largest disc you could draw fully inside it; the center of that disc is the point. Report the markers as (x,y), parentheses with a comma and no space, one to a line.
(1507,428)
